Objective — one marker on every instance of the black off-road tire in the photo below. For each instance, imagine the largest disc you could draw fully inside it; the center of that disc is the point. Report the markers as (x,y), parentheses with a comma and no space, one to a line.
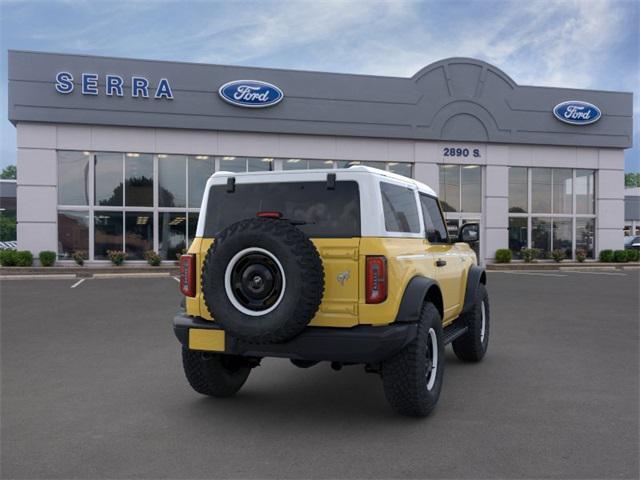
(472,346)
(303,274)
(214,374)
(404,376)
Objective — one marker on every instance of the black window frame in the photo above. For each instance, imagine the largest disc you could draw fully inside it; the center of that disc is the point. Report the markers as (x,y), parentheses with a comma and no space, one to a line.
(448,239)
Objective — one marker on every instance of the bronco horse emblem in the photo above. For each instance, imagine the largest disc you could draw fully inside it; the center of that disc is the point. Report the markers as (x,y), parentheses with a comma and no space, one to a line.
(343,277)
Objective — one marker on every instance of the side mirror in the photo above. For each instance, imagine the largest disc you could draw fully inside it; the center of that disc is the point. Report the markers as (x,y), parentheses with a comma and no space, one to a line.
(469,233)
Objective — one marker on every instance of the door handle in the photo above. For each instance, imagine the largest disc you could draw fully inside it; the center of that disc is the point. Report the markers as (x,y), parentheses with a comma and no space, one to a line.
(440,263)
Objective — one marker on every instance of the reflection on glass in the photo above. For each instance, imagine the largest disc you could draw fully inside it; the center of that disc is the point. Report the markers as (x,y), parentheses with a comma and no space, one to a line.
(453,226)
(295,164)
(541,190)
(541,235)
(585,235)
(562,235)
(450,187)
(73,233)
(233,164)
(201,167)
(138,234)
(517,235)
(108,233)
(315,164)
(193,225)
(562,190)
(585,192)
(138,173)
(73,178)
(108,179)
(260,164)
(400,168)
(172,183)
(518,190)
(172,234)
(471,188)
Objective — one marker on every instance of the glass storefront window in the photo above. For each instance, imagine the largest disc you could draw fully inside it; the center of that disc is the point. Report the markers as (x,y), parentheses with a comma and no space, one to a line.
(73,233)
(517,235)
(518,190)
(138,234)
(138,174)
(201,167)
(562,190)
(315,164)
(450,187)
(585,235)
(585,191)
(400,168)
(260,164)
(562,235)
(193,225)
(172,183)
(541,235)
(172,234)
(471,188)
(233,164)
(107,233)
(541,190)
(108,179)
(73,178)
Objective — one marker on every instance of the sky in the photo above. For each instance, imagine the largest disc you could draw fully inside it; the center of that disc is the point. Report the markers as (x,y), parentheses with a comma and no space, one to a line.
(569,43)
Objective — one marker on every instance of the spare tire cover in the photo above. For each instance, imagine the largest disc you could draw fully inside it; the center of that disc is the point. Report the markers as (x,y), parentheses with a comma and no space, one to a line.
(262,280)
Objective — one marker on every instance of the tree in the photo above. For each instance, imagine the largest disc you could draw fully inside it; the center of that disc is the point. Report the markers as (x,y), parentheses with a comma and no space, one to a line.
(632,180)
(9,172)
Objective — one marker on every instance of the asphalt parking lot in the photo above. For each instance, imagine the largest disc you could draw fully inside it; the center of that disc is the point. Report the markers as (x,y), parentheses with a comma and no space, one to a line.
(92,387)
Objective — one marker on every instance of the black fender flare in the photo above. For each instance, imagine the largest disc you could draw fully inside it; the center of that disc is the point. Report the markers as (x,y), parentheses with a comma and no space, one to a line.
(475,277)
(414,295)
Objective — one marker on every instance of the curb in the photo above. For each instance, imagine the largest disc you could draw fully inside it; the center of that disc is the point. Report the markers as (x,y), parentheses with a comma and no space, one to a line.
(561,266)
(96,276)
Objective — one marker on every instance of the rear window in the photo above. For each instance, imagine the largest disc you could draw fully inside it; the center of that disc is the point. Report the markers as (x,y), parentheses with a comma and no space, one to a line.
(400,208)
(320,211)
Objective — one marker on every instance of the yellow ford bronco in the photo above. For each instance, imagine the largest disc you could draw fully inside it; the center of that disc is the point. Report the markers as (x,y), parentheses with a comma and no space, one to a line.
(351,266)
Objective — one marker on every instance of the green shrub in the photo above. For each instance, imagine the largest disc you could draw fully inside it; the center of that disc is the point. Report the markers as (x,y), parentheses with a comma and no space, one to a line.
(606,256)
(558,255)
(633,255)
(8,258)
(47,258)
(581,254)
(117,257)
(152,258)
(24,258)
(80,256)
(503,255)
(620,256)
(528,254)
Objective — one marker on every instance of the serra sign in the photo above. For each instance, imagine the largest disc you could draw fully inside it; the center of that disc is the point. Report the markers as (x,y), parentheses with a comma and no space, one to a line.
(250,93)
(576,112)
(113,85)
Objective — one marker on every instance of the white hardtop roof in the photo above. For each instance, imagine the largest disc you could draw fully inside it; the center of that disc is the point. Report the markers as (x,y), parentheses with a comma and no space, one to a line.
(313,174)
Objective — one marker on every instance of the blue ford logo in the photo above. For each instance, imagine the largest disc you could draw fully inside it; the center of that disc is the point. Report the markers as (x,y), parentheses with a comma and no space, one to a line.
(576,112)
(250,93)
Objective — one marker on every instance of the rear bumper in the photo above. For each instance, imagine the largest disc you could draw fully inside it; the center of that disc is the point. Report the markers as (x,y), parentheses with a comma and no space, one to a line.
(361,344)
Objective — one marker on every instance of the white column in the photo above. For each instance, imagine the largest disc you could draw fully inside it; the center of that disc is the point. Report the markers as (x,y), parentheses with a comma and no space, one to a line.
(610,200)
(495,210)
(37,180)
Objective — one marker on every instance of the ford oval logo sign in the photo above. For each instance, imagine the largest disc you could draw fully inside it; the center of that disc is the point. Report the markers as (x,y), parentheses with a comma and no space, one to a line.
(250,93)
(576,112)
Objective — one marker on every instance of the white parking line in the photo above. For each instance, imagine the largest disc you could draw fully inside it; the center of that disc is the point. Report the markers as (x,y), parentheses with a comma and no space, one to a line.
(176,279)
(78,283)
(597,273)
(531,273)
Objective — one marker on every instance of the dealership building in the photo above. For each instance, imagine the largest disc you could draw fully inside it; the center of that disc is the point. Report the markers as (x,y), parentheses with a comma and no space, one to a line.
(114,153)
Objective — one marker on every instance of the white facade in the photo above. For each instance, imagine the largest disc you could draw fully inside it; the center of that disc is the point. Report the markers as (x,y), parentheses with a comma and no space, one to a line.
(38,144)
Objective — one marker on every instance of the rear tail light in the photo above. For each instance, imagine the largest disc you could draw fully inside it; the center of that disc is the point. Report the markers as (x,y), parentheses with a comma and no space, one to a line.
(188,275)
(376,279)
(269,214)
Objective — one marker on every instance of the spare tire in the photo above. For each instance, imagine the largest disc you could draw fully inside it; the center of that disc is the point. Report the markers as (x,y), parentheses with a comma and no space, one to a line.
(262,280)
